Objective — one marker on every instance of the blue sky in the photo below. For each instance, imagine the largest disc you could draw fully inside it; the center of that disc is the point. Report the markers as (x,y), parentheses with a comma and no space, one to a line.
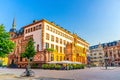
(93,20)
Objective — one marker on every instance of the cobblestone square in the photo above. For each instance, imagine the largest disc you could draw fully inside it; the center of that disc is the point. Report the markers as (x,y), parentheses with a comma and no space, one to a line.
(96,73)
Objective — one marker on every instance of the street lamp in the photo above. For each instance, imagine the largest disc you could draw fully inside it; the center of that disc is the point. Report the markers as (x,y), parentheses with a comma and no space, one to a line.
(106,61)
(88,61)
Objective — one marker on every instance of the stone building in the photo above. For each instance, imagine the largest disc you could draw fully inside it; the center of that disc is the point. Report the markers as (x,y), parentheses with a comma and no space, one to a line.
(66,46)
(110,51)
(97,55)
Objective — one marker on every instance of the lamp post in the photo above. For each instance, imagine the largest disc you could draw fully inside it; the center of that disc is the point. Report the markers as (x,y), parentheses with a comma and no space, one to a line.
(88,61)
(106,61)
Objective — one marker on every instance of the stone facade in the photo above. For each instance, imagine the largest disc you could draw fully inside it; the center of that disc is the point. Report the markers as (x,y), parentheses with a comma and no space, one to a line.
(47,35)
(111,52)
(97,55)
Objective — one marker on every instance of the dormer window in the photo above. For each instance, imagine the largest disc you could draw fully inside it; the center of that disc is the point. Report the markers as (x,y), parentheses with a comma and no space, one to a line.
(11,35)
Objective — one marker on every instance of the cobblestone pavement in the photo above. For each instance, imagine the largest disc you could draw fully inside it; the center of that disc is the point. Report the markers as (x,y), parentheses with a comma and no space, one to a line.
(96,73)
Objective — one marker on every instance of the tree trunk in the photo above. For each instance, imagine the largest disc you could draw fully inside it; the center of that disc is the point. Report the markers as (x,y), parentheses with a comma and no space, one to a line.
(28,66)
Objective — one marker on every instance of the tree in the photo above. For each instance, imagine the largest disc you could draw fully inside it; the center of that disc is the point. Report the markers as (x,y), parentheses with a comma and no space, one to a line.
(29,54)
(49,49)
(6,45)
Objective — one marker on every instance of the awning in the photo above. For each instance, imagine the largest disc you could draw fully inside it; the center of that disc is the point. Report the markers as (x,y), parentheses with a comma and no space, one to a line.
(63,62)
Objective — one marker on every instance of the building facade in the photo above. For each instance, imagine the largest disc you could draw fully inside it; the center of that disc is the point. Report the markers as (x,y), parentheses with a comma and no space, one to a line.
(97,55)
(66,46)
(111,52)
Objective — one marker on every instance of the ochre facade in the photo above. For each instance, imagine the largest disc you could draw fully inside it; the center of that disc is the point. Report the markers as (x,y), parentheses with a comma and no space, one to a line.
(66,46)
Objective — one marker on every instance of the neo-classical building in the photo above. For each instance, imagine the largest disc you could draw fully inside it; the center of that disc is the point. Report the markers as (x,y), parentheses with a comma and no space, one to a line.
(67,46)
(111,52)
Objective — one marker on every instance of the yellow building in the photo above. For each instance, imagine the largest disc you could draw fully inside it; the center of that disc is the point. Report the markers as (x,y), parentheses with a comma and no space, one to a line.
(67,46)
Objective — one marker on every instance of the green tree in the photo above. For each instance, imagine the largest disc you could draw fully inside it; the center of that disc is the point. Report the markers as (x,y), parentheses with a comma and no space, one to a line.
(49,49)
(6,45)
(29,51)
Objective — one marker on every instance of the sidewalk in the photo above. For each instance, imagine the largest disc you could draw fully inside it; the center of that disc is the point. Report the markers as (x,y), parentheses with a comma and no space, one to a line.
(14,77)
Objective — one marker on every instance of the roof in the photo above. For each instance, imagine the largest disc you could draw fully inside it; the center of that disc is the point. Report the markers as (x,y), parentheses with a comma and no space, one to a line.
(109,44)
(57,26)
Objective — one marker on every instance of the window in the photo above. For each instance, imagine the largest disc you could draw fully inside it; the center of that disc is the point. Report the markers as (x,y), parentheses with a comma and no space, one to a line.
(52,46)
(20,58)
(50,28)
(47,27)
(106,55)
(40,26)
(60,41)
(26,31)
(60,58)
(60,49)
(37,27)
(64,50)
(52,38)
(31,29)
(100,53)
(38,47)
(47,45)
(58,33)
(56,47)
(52,57)
(47,36)
(64,42)
(57,58)
(34,29)
(94,53)
(56,39)
(53,30)
(11,35)
(100,56)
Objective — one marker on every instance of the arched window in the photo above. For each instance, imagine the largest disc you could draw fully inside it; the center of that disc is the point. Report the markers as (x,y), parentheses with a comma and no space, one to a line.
(20,58)
(38,47)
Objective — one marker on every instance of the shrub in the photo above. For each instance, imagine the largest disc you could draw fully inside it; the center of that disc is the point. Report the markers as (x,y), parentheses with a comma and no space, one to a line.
(77,66)
(1,64)
(58,67)
(74,66)
(82,66)
(44,66)
(51,66)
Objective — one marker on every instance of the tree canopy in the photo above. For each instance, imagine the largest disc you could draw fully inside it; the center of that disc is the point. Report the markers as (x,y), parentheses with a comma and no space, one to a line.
(49,49)
(29,50)
(6,45)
